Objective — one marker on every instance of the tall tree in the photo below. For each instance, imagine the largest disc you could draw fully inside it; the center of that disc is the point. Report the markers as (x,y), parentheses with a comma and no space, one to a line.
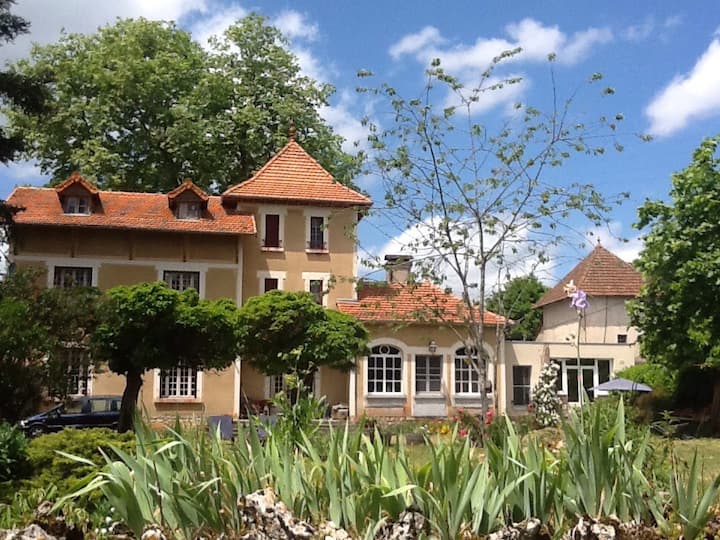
(140,106)
(677,309)
(22,92)
(515,301)
(37,324)
(469,195)
(289,332)
(150,326)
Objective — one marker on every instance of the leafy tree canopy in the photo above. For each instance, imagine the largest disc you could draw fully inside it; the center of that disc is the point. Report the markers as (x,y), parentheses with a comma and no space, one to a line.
(140,106)
(676,310)
(288,332)
(515,300)
(150,326)
(37,324)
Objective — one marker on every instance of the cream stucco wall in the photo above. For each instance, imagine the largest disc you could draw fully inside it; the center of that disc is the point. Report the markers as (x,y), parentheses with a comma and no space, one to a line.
(531,353)
(605,318)
(413,340)
(294,260)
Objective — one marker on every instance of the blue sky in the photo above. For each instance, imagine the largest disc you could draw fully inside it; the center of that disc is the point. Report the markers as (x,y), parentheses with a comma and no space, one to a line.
(662,58)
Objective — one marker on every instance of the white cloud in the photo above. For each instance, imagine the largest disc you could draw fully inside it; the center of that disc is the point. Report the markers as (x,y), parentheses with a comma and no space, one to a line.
(413,43)
(215,25)
(695,95)
(24,171)
(536,40)
(582,42)
(410,240)
(48,17)
(650,27)
(612,239)
(346,123)
(508,94)
(295,25)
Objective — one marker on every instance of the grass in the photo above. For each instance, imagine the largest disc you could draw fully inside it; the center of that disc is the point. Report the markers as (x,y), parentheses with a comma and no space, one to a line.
(708,451)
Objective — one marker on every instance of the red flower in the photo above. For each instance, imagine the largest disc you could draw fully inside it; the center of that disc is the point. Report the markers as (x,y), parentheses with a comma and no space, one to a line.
(463,432)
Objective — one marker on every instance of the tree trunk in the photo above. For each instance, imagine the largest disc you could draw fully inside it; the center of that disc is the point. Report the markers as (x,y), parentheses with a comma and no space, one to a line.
(133,382)
(715,407)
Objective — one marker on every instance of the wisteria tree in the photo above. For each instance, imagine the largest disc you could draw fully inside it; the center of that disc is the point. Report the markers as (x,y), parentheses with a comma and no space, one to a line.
(470,196)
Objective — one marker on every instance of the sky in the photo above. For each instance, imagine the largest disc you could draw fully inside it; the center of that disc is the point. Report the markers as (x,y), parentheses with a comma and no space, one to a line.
(662,58)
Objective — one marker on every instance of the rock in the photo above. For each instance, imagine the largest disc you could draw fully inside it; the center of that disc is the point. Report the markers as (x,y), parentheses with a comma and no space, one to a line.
(330,531)
(589,529)
(266,518)
(153,532)
(530,529)
(409,526)
(31,532)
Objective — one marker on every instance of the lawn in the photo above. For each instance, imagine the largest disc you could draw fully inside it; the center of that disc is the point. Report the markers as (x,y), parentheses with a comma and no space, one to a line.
(708,451)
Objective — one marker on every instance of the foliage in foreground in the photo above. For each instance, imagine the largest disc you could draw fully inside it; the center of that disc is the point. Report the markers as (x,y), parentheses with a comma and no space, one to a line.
(190,481)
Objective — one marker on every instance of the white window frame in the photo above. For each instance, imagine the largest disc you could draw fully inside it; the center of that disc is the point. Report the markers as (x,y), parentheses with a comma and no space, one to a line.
(325,214)
(401,354)
(185,267)
(73,205)
(189,210)
(183,274)
(157,382)
(74,266)
(318,276)
(273,210)
(69,353)
(262,275)
(562,374)
(490,370)
(516,385)
(270,383)
(426,374)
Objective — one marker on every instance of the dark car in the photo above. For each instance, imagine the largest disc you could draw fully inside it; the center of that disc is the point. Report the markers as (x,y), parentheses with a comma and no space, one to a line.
(84,412)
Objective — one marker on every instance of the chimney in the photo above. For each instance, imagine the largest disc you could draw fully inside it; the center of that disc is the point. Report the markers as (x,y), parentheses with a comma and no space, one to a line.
(398,268)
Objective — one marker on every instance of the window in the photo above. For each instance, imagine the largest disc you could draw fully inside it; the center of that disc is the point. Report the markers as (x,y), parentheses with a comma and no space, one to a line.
(188,210)
(180,281)
(316,289)
(270,284)
(384,370)
(588,374)
(467,378)
(428,373)
(77,205)
(272,231)
(277,384)
(521,385)
(622,338)
(317,233)
(78,367)
(178,382)
(72,276)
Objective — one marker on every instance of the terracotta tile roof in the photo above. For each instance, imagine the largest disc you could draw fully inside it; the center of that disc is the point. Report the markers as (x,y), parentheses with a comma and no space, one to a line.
(421,302)
(76,178)
(187,185)
(599,274)
(122,210)
(292,175)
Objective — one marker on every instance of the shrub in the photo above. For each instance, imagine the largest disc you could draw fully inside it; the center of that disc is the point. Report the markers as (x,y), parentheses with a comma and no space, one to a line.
(663,381)
(49,467)
(546,403)
(13,453)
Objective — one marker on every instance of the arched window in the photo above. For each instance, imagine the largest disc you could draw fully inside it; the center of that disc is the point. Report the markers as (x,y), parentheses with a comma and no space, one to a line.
(384,370)
(467,378)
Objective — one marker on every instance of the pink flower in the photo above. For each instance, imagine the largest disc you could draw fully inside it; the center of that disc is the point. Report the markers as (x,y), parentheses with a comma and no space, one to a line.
(463,432)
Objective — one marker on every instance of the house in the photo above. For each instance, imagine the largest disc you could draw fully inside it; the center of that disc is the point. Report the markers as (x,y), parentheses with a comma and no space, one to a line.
(285,228)
(417,364)
(608,342)
(290,227)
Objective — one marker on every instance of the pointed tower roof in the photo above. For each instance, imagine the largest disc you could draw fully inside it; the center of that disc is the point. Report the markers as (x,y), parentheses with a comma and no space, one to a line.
(601,273)
(292,176)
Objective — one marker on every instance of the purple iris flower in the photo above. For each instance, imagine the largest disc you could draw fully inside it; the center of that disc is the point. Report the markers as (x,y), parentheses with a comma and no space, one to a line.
(579,300)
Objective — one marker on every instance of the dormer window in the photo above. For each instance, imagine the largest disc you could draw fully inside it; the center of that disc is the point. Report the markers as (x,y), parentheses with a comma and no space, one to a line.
(188,210)
(187,201)
(77,205)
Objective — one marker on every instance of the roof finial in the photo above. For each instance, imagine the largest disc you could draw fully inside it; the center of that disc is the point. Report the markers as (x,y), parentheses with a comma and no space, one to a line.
(598,241)
(292,129)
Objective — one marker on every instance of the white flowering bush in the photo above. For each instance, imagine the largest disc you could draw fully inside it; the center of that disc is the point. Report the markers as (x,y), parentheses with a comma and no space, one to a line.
(546,401)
